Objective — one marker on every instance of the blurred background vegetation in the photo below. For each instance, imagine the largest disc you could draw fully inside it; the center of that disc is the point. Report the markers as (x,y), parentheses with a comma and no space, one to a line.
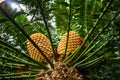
(84,15)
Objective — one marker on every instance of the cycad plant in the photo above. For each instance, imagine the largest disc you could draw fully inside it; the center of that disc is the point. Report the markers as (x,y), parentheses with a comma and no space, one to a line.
(36,49)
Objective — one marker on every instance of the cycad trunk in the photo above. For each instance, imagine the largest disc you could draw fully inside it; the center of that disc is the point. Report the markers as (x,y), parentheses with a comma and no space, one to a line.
(60,72)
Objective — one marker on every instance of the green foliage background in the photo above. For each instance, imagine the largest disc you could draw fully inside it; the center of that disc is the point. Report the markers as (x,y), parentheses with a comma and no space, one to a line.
(84,15)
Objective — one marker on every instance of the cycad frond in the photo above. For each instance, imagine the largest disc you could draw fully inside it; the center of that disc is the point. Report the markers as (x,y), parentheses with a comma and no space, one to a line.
(88,30)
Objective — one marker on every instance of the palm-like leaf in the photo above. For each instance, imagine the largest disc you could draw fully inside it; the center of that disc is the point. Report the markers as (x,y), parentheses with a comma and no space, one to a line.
(68,15)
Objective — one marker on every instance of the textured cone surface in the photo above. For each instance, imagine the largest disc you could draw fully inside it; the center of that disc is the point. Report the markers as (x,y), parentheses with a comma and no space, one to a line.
(44,44)
(73,43)
(60,72)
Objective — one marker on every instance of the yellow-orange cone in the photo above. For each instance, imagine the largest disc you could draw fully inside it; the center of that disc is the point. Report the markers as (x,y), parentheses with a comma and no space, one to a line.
(44,44)
(73,42)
